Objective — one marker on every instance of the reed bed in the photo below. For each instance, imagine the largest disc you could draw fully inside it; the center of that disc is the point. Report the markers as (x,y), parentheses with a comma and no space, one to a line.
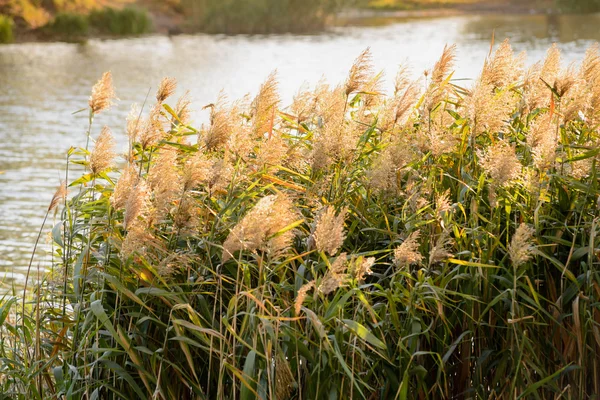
(435,242)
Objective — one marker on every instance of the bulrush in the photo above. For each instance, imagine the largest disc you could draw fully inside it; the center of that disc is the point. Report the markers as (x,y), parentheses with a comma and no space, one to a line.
(137,203)
(501,164)
(408,252)
(103,94)
(328,233)
(124,186)
(165,89)
(102,156)
(260,228)
(360,73)
(520,245)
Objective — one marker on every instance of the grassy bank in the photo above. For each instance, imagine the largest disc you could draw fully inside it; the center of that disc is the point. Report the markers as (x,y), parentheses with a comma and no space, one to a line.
(437,242)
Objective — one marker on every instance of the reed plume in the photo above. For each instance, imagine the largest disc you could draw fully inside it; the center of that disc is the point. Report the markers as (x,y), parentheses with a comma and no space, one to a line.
(60,195)
(221,125)
(126,183)
(165,89)
(442,249)
(328,231)
(336,275)
(302,293)
(182,108)
(503,69)
(408,252)
(103,94)
(137,203)
(362,268)
(102,156)
(500,163)
(164,180)
(520,245)
(264,107)
(360,73)
(260,228)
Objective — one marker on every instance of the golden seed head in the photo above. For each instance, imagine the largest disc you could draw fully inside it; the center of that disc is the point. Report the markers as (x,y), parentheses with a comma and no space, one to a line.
(102,156)
(302,292)
(137,204)
(165,89)
(264,107)
(501,164)
(441,250)
(328,233)
(360,73)
(520,246)
(164,180)
(124,186)
(103,94)
(59,196)
(262,228)
(362,268)
(408,252)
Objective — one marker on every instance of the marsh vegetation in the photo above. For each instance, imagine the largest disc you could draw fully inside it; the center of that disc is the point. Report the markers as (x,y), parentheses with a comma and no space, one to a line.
(436,241)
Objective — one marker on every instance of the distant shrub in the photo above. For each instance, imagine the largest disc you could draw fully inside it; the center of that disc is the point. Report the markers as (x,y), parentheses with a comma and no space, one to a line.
(128,21)
(578,5)
(69,24)
(260,16)
(6,29)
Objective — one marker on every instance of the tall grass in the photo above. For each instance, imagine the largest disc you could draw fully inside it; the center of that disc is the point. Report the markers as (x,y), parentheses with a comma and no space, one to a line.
(438,242)
(127,21)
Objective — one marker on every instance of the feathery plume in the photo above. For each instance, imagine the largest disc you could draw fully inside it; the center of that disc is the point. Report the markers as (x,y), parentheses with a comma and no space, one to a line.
(328,230)
(442,204)
(182,108)
(501,164)
(103,94)
(152,130)
(133,123)
(437,89)
(441,250)
(489,109)
(335,276)
(59,196)
(503,69)
(124,186)
(264,107)
(360,73)
(408,252)
(164,179)
(102,156)
(383,173)
(362,267)
(165,89)
(284,379)
(196,171)
(221,126)
(543,141)
(520,246)
(137,241)
(302,292)
(137,204)
(260,228)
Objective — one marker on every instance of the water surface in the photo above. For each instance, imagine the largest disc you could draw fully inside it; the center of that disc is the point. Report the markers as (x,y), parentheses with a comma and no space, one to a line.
(42,84)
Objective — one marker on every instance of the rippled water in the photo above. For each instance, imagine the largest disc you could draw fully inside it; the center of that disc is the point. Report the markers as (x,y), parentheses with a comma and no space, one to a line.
(42,84)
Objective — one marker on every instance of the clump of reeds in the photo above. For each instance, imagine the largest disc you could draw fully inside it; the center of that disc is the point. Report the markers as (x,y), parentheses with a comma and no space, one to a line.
(441,242)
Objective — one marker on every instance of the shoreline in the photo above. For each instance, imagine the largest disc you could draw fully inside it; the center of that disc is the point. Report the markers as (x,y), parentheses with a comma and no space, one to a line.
(173,25)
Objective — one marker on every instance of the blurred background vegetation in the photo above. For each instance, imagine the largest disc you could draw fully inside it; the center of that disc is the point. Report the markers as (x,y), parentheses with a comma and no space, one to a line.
(76,19)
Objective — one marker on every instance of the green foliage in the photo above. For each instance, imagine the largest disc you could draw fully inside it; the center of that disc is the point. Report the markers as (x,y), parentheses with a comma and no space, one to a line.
(6,29)
(127,21)
(260,16)
(68,24)
(465,264)
(578,5)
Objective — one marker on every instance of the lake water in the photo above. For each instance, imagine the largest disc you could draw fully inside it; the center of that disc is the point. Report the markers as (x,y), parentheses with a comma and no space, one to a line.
(42,84)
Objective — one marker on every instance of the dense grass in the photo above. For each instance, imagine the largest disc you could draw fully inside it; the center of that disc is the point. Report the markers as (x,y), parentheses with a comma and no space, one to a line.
(67,24)
(6,29)
(260,16)
(578,5)
(127,21)
(439,242)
